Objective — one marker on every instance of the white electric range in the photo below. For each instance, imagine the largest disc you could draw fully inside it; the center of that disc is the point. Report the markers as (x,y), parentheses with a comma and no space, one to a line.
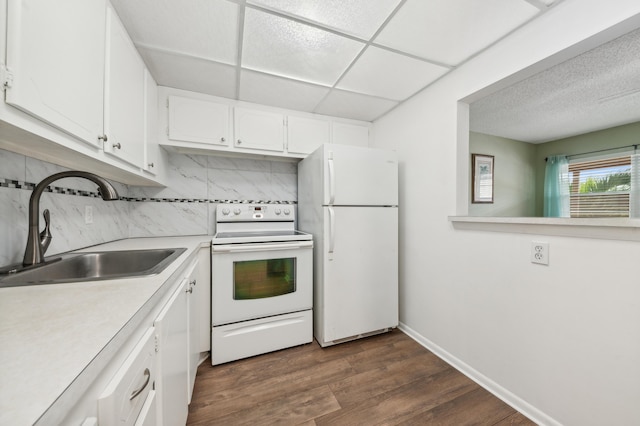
(262,281)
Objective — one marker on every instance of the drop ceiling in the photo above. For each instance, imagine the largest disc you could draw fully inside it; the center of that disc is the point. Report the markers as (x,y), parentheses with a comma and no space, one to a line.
(595,90)
(348,58)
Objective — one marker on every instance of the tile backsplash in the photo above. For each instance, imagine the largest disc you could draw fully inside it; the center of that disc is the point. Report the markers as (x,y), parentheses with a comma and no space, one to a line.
(185,207)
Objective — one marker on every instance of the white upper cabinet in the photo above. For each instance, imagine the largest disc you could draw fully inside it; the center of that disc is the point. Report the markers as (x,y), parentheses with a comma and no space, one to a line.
(257,129)
(124,119)
(349,134)
(151,147)
(304,135)
(55,59)
(194,120)
(203,123)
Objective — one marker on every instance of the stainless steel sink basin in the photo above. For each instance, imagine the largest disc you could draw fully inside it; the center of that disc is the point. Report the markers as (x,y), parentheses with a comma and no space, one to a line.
(104,265)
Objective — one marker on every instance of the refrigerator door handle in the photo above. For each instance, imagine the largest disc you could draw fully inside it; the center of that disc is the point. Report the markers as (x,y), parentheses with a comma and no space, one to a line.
(332,180)
(332,230)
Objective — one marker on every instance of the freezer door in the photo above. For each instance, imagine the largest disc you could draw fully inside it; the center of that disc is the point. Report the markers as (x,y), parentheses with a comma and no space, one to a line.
(360,280)
(356,176)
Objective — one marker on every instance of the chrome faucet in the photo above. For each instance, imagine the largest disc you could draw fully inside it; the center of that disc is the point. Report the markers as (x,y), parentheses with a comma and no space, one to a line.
(37,242)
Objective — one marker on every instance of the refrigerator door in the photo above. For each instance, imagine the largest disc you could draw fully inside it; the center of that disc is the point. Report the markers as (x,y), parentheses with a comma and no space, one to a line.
(360,279)
(357,176)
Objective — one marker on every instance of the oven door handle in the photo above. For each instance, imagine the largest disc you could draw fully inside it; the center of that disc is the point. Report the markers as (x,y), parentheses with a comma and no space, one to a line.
(236,248)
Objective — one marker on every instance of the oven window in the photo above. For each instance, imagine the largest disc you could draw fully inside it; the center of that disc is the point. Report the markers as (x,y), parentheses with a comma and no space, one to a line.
(257,279)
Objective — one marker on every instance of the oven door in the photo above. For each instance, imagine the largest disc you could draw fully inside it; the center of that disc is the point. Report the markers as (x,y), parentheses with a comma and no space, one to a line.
(252,281)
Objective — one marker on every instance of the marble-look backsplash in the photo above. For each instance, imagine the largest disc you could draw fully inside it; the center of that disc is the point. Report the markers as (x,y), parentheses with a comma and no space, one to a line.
(185,207)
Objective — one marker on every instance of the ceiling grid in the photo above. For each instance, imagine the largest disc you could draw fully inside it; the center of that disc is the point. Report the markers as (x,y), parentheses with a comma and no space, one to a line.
(348,58)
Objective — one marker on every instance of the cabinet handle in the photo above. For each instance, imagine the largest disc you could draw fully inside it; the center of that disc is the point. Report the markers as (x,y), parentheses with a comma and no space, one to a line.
(239,141)
(190,290)
(137,392)
(117,145)
(222,140)
(192,282)
(102,138)
(150,165)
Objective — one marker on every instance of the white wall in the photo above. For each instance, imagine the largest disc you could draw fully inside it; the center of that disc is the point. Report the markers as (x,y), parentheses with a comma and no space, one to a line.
(560,342)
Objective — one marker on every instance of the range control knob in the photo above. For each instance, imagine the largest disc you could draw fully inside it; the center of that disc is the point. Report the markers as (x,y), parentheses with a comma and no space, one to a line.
(278,211)
(225,211)
(287,212)
(236,211)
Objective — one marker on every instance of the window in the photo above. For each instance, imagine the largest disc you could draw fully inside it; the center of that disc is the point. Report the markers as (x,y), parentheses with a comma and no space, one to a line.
(600,188)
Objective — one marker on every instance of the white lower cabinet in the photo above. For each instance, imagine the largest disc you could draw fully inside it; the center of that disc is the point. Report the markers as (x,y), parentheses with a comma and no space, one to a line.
(172,335)
(193,335)
(126,398)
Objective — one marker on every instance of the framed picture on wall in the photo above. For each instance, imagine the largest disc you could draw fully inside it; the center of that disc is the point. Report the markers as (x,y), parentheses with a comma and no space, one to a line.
(482,178)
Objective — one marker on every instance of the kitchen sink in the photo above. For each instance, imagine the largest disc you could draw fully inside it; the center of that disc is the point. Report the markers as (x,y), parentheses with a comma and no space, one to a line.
(93,266)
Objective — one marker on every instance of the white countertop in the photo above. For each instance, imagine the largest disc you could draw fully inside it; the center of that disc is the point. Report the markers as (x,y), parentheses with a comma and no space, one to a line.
(51,334)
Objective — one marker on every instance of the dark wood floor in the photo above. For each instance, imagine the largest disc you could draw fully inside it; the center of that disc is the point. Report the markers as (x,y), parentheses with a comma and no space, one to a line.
(387,379)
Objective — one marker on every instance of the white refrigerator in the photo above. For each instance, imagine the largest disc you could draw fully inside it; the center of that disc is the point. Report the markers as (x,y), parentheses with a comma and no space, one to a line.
(348,200)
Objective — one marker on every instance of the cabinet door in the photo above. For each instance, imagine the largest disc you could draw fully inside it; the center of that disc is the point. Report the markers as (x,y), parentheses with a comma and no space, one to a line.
(55,51)
(148,415)
(257,129)
(151,147)
(194,120)
(124,95)
(125,396)
(172,382)
(204,298)
(304,135)
(194,288)
(349,134)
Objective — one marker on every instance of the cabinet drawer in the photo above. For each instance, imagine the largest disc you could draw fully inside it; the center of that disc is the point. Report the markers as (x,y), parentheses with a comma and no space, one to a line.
(124,397)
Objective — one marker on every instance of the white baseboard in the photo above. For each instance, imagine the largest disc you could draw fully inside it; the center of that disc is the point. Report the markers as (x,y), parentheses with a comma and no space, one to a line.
(528,410)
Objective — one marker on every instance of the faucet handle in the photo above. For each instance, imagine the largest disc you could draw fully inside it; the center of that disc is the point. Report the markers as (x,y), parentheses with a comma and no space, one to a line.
(45,235)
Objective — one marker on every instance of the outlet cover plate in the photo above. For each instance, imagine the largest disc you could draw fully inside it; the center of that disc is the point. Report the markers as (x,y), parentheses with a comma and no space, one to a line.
(540,252)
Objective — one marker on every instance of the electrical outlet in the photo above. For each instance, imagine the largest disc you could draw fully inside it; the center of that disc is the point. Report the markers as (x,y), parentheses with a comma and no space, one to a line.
(88,214)
(540,253)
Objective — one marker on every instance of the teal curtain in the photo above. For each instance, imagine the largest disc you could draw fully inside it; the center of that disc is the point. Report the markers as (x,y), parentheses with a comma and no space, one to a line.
(556,187)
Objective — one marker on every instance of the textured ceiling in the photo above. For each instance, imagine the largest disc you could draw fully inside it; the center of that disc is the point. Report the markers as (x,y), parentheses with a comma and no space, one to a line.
(593,91)
(348,58)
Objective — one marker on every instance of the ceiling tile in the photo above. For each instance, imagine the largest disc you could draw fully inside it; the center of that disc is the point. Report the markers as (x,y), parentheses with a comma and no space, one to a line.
(205,28)
(386,74)
(275,45)
(192,74)
(360,18)
(354,105)
(281,92)
(450,31)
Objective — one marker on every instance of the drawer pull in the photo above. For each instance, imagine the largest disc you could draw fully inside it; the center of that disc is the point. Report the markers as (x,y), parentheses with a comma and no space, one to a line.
(137,392)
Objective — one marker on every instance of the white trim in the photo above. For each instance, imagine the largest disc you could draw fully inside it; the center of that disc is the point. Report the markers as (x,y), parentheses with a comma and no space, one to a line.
(601,228)
(526,409)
